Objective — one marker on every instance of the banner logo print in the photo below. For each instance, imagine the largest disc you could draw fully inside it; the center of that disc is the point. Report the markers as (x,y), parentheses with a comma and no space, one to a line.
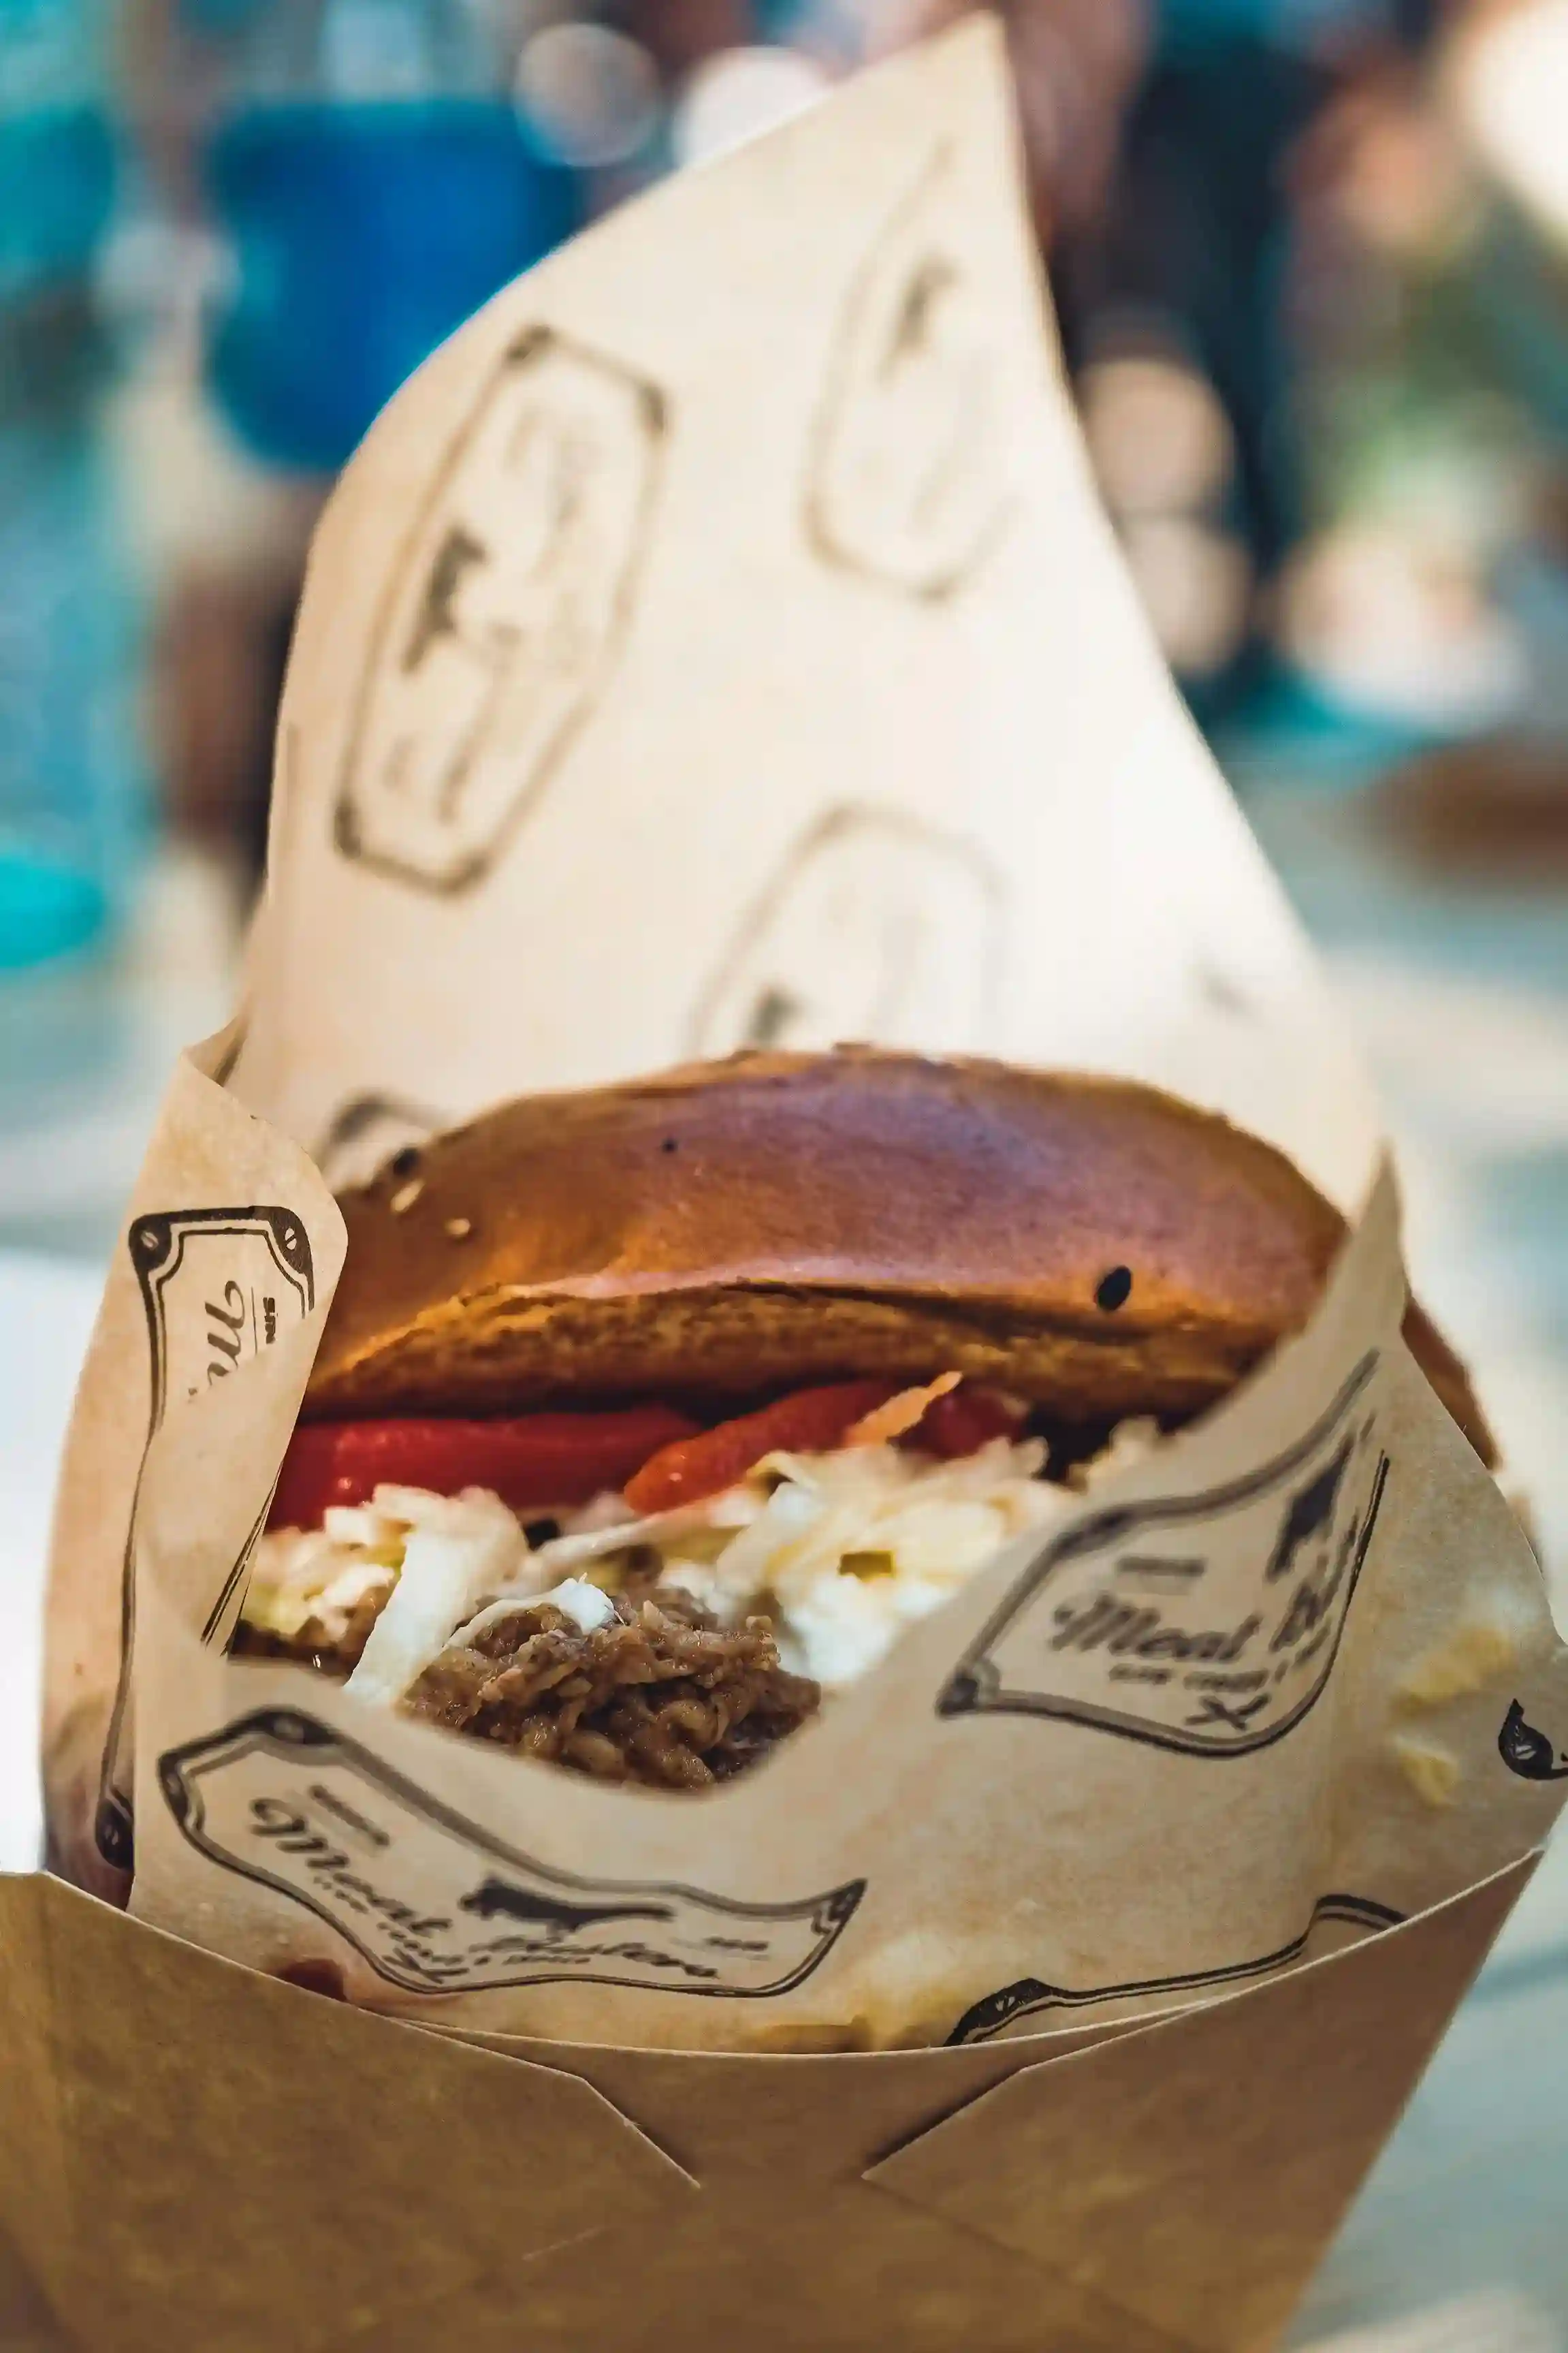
(1029,1996)
(281,1799)
(217,1286)
(1209,1623)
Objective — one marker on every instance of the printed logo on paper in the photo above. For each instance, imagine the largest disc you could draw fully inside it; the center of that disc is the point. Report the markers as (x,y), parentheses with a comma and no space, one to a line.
(504,615)
(1205,1624)
(284,1801)
(874,926)
(910,482)
(1028,1996)
(362,1134)
(1528,1752)
(217,1286)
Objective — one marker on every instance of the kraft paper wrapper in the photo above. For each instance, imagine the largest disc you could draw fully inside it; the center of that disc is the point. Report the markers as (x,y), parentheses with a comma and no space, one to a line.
(194,2154)
(1018,1820)
(718,638)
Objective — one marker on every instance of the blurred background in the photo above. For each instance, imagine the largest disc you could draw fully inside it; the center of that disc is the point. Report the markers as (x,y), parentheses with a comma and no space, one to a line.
(1311,258)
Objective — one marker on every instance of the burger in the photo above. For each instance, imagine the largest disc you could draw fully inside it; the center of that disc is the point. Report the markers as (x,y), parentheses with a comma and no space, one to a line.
(645,1417)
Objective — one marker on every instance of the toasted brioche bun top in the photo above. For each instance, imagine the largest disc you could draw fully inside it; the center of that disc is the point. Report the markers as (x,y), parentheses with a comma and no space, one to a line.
(775,1219)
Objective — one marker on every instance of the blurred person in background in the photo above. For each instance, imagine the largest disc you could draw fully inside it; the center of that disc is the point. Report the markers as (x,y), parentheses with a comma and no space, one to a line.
(1162,140)
(1425,604)
(332,185)
(329,188)
(1078,63)
(1298,372)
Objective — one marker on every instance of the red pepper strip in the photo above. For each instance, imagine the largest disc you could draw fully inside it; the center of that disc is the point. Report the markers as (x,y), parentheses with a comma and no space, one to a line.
(963,1422)
(812,1421)
(531,1461)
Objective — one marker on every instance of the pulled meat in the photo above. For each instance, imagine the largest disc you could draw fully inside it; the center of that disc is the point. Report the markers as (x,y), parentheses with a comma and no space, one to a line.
(335,1650)
(661,1694)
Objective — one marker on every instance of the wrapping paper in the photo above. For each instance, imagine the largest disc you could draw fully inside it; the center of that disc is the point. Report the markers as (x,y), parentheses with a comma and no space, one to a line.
(718,641)
(195,2155)
(1240,1704)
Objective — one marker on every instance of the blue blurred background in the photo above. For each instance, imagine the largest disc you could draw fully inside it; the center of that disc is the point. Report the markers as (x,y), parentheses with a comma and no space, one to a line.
(1311,258)
(1310,270)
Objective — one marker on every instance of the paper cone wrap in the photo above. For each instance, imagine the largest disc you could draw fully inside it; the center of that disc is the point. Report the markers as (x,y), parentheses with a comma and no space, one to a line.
(718,641)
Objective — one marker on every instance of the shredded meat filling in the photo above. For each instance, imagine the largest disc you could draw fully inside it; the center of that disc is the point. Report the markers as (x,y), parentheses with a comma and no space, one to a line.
(336,1651)
(661,1694)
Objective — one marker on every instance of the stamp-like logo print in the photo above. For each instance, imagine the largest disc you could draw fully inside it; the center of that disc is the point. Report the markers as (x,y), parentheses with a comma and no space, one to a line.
(217,1286)
(909,481)
(504,614)
(876,926)
(435,1906)
(1027,1996)
(1206,1623)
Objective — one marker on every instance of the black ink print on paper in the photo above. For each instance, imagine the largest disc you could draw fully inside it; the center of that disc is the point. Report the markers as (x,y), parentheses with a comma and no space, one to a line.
(498,1899)
(364,1133)
(1205,1623)
(876,928)
(504,614)
(1217,990)
(908,479)
(1027,1996)
(434,1904)
(1310,1515)
(1530,1753)
(217,1286)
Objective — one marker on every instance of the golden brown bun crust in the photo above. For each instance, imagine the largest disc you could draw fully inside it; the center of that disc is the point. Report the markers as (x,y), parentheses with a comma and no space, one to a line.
(779,1220)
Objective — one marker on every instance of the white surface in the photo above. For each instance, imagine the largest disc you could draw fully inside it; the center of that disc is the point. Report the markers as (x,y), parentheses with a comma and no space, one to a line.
(1485,2324)
(1511,79)
(47,1309)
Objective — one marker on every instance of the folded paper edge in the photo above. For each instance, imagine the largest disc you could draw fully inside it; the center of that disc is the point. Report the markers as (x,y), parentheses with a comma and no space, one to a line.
(54,1903)
(1166,2025)
(40,2106)
(1491,1899)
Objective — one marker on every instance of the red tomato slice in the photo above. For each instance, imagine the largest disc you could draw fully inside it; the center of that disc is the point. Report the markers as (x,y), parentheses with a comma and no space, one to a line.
(532,1460)
(963,1422)
(812,1421)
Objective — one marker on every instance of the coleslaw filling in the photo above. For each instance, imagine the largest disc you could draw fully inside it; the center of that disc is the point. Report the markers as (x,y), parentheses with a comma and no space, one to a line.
(839,1551)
